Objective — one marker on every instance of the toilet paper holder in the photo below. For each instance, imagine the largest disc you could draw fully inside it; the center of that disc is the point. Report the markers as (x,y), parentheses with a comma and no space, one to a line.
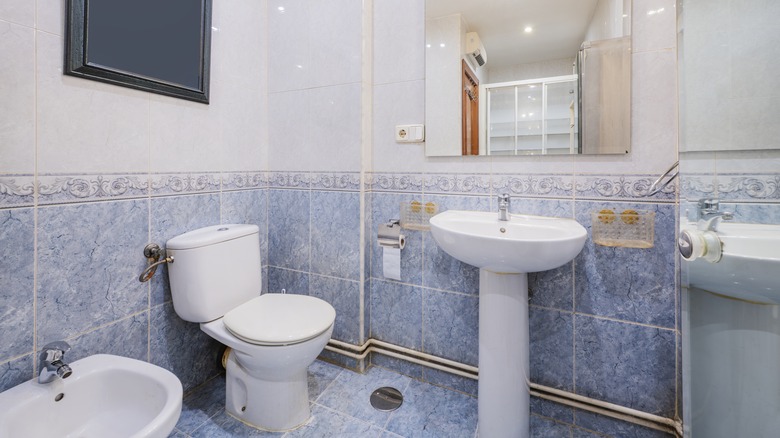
(389,234)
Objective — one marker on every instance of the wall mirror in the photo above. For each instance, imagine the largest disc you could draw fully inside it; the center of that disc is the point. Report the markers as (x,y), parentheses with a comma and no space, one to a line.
(162,47)
(527,77)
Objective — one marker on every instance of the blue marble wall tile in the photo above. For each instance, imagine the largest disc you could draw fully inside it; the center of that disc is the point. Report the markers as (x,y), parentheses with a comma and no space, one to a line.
(632,284)
(451,324)
(387,206)
(627,364)
(89,259)
(182,348)
(754,213)
(335,234)
(289,229)
(398,365)
(396,313)
(614,427)
(265,280)
(542,207)
(128,337)
(553,288)
(293,282)
(248,207)
(451,381)
(344,296)
(552,352)
(550,409)
(576,432)
(16,371)
(16,282)
(171,216)
(366,310)
(440,270)
(430,411)
(546,428)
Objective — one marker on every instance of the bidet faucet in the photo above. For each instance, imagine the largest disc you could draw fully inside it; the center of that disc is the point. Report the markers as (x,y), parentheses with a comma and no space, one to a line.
(503,206)
(50,364)
(710,215)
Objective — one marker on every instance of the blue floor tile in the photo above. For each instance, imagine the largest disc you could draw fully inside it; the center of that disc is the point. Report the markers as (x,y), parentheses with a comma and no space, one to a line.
(326,423)
(350,392)
(321,375)
(202,404)
(431,411)
(223,425)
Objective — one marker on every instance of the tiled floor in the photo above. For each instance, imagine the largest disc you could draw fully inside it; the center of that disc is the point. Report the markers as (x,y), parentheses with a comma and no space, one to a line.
(340,408)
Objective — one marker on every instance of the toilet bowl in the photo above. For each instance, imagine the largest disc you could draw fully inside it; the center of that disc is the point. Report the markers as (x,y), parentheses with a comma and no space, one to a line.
(215,281)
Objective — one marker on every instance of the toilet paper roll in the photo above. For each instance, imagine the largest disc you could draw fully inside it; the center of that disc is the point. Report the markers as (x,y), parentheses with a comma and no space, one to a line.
(391,262)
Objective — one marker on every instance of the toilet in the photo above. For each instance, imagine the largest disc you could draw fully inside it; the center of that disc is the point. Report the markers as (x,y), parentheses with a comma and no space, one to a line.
(216,280)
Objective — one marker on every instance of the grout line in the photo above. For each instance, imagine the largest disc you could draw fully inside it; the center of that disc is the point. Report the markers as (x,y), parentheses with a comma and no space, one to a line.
(36,200)
(605,318)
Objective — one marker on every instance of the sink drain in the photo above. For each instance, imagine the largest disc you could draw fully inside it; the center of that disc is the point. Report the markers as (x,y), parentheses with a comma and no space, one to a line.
(59,397)
(386,399)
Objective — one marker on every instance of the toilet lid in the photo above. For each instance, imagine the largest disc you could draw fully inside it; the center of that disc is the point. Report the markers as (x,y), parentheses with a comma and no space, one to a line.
(280,319)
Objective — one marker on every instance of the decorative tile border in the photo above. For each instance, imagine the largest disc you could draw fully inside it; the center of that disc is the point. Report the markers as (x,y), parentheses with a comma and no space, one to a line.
(335,181)
(179,183)
(289,180)
(56,189)
(457,183)
(732,187)
(621,187)
(244,180)
(763,187)
(17,191)
(543,186)
(396,182)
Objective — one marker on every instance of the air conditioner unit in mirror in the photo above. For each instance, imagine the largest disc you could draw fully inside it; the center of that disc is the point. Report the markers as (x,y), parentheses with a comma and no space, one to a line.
(475,49)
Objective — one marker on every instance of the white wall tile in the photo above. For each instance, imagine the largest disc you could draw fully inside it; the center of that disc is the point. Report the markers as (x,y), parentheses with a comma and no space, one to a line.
(288,118)
(17,94)
(654,25)
(84,125)
(334,135)
(18,11)
(288,45)
(51,15)
(335,32)
(397,104)
(399,41)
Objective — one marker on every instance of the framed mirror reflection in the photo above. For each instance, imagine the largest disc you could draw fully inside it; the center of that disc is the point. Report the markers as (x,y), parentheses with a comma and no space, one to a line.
(528,77)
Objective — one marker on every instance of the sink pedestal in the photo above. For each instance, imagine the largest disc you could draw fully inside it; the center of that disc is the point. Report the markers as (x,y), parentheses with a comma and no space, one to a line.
(504,370)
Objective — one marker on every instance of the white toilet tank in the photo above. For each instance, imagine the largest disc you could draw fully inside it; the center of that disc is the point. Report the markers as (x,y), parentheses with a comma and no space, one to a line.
(214,270)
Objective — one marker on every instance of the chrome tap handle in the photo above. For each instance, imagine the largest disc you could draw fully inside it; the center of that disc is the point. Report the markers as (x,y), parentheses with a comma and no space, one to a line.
(50,364)
(504,201)
(54,351)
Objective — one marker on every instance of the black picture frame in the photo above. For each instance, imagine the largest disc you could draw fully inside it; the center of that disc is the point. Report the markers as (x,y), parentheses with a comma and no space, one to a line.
(77,59)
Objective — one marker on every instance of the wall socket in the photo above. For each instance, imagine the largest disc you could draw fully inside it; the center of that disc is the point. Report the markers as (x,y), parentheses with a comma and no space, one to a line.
(410,133)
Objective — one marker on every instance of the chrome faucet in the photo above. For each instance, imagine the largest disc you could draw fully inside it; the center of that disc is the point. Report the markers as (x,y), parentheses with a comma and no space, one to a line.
(710,215)
(50,364)
(503,206)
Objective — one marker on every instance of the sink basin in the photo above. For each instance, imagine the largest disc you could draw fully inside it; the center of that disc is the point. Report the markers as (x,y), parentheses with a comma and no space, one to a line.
(505,252)
(748,267)
(522,244)
(105,396)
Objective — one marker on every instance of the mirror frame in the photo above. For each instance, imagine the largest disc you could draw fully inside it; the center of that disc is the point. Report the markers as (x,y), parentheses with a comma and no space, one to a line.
(76,58)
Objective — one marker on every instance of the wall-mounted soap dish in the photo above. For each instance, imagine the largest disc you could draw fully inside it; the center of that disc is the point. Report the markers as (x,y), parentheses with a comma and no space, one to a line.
(415,215)
(628,229)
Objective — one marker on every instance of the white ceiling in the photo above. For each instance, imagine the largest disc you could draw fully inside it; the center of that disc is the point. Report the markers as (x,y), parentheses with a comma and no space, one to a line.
(559,26)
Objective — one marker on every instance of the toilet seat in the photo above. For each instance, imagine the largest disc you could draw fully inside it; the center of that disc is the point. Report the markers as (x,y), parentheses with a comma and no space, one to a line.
(279,319)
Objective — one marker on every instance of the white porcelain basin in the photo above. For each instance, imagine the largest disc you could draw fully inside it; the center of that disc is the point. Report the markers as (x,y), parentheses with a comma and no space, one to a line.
(749,268)
(106,396)
(522,244)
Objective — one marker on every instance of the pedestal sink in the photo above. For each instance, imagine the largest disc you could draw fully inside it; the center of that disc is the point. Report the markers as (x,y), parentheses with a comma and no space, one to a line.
(505,251)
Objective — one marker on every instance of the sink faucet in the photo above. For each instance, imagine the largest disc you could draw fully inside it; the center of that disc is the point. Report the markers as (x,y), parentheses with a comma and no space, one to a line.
(503,206)
(710,215)
(50,365)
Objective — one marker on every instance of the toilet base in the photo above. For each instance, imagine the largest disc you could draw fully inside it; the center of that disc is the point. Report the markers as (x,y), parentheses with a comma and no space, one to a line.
(269,405)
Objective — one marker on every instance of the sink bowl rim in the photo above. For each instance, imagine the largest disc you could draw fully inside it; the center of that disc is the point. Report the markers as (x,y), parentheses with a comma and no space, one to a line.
(577,232)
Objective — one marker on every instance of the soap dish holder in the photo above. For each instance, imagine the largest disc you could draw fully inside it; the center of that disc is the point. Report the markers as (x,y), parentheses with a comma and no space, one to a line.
(416,216)
(627,229)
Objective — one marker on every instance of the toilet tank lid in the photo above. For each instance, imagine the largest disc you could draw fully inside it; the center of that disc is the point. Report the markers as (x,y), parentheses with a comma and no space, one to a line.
(211,235)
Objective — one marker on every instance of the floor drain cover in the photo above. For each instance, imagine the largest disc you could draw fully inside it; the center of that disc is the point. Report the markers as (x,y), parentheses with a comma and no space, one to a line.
(386,399)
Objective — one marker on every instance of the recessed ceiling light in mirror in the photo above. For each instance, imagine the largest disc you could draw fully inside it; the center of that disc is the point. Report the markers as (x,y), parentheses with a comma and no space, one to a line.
(528,29)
